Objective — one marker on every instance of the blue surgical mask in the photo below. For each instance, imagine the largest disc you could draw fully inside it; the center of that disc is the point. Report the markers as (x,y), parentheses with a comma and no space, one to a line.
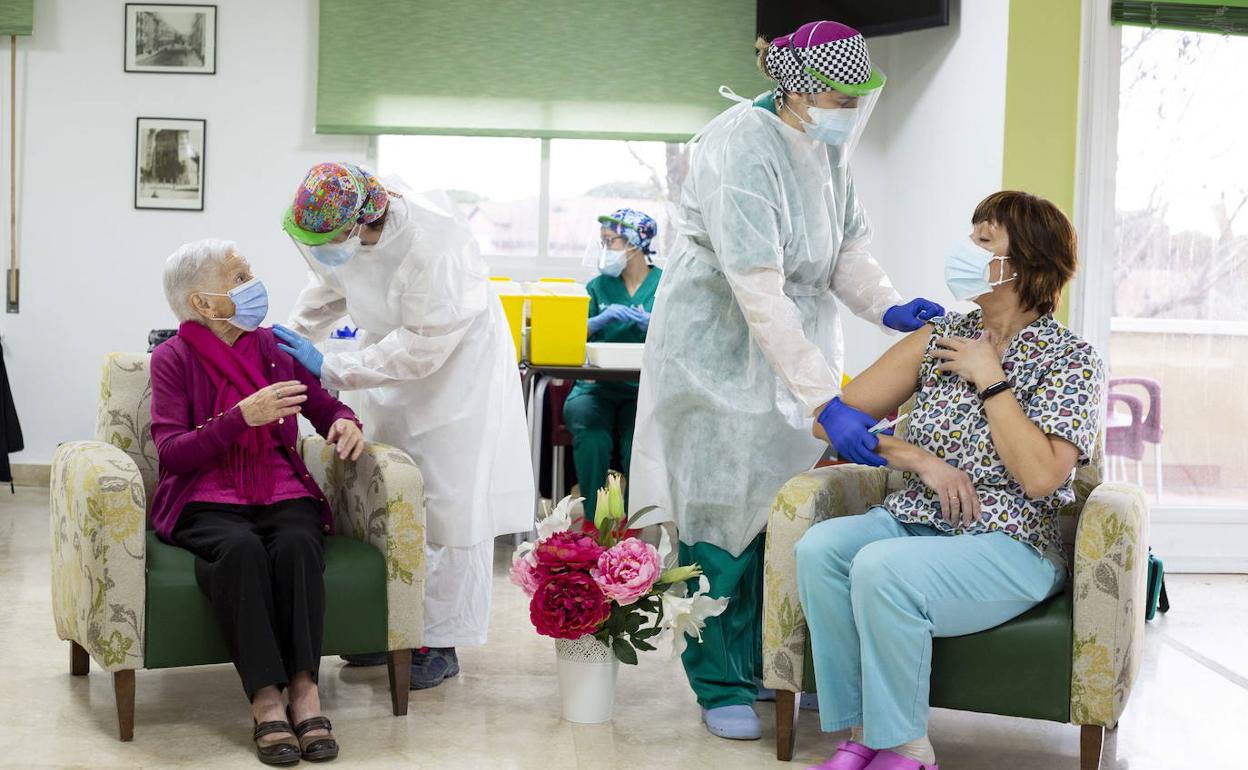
(966,270)
(612,262)
(830,126)
(251,304)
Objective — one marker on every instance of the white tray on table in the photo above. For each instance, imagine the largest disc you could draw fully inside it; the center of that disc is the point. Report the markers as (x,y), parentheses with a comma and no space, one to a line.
(614,355)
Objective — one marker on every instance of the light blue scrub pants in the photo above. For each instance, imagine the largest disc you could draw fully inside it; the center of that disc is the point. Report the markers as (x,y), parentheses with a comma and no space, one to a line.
(875,591)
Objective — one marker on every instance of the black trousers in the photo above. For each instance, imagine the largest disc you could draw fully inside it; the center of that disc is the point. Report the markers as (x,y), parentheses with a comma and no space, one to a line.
(262,568)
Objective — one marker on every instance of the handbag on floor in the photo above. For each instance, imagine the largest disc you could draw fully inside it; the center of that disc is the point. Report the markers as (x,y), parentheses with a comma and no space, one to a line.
(1156,596)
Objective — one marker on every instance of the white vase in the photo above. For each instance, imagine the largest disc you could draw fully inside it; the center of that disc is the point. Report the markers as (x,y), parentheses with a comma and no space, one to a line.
(587,672)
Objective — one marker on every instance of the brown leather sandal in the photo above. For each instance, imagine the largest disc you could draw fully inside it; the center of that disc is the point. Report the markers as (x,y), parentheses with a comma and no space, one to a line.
(285,752)
(316,748)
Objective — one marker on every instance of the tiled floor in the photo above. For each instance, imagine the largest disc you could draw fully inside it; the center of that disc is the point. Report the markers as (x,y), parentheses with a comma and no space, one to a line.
(1190,702)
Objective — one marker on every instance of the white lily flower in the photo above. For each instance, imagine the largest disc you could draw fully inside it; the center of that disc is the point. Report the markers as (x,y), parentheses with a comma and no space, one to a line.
(688,614)
(525,551)
(559,520)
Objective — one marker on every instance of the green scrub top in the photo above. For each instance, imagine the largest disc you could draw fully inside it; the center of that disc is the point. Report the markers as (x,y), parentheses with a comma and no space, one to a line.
(606,290)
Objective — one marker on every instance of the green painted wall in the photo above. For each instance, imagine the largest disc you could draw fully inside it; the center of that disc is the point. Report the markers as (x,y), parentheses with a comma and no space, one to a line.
(1042,101)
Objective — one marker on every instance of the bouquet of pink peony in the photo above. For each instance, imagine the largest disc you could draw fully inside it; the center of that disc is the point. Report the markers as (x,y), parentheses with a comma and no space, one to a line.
(605,582)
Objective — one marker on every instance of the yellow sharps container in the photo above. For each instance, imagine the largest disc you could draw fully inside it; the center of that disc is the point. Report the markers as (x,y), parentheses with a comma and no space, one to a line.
(558,318)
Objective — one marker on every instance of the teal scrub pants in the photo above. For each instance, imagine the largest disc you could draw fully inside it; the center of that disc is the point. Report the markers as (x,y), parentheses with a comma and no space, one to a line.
(722,669)
(875,591)
(595,416)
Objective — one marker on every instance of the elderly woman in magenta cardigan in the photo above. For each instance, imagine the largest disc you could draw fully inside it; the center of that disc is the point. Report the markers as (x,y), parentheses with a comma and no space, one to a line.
(234,491)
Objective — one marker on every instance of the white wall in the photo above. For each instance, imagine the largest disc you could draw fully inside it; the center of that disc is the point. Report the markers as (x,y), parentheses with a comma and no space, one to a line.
(932,151)
(91,263)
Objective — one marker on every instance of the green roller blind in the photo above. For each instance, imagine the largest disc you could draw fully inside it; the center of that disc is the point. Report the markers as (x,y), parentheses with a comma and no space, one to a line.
(1229,17)
(642,69)
(17,17)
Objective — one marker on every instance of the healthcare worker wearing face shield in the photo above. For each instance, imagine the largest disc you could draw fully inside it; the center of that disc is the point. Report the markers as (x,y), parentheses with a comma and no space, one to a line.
(745,348)
(437,373)
(620,301)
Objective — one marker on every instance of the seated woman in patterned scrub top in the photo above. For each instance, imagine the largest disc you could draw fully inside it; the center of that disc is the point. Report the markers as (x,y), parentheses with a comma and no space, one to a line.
(1007,403)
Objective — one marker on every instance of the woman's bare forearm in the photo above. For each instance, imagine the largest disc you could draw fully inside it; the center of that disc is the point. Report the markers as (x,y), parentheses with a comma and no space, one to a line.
(903,456)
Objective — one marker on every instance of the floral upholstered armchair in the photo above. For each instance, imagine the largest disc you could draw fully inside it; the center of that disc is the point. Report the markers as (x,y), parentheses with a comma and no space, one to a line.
(127,600)
(1072,659)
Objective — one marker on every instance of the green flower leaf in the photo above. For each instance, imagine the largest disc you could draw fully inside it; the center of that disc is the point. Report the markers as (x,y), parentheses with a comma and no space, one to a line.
(624,651)
(642,645)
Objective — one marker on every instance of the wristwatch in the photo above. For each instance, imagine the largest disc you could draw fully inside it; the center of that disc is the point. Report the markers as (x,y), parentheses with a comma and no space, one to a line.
(994,389)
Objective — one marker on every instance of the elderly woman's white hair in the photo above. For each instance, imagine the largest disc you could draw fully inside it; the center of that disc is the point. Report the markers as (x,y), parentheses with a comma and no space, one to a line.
(189,269)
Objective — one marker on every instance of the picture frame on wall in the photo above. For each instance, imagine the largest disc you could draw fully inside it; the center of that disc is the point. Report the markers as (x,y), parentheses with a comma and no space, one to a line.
(169,164)
(167,38)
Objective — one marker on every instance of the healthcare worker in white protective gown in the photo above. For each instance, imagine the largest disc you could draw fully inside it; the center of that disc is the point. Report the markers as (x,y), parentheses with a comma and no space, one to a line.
(745,345)
(437,373)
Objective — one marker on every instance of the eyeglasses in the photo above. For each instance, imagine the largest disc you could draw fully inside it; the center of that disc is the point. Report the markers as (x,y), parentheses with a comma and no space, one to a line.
(608,242)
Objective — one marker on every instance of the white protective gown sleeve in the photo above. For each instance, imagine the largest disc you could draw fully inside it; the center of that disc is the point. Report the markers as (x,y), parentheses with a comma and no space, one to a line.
(745,234)
(858,280)
(318,309)
(439,302)
(745,227)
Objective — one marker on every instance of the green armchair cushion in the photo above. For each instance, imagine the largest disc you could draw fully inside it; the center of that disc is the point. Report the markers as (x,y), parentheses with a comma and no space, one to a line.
(1021,668)
(185,632)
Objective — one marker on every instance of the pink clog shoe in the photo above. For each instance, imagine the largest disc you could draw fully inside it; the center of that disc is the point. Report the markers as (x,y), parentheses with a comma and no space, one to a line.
(848,756)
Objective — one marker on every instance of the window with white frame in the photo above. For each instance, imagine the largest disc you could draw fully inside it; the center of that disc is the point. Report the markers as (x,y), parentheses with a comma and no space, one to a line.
(1178,343)
(533,203)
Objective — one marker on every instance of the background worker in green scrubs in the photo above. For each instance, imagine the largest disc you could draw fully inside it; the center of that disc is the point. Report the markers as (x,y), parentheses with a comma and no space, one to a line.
(620,301)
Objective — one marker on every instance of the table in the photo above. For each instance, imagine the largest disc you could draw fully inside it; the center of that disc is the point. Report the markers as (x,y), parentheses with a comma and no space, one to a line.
(534,379)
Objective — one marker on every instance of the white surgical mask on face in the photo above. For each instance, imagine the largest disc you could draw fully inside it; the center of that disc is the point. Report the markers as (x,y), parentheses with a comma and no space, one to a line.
(612,262)
(828,125)
(966,270)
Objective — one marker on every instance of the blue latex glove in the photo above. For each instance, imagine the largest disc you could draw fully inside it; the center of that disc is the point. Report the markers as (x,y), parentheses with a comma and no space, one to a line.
(912,315)
(849,431)
(609,313)
(640,317)
(300,349)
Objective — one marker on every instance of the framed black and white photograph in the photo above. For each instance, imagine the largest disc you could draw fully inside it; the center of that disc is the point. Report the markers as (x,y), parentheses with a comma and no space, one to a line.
(169,164)
(179,39)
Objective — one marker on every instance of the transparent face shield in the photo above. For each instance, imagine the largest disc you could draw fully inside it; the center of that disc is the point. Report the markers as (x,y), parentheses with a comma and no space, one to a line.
(608,254)
(840,126)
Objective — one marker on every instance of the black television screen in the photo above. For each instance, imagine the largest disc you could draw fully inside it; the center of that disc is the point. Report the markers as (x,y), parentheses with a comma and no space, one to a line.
(870,17)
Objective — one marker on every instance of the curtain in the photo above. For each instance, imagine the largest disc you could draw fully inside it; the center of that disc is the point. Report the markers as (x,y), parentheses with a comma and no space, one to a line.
(641,70)
(17,17)
(1229,17)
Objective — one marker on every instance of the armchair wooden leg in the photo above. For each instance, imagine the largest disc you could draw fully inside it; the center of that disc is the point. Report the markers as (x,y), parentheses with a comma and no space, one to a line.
(79,660)
(123,691)
(786,724)
(1091,739)
(400,667)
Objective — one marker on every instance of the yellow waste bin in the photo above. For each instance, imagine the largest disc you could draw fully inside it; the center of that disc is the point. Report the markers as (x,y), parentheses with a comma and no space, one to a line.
(558,318)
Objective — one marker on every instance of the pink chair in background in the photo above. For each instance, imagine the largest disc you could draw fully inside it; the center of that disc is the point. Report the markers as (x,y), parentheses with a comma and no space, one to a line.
(1126,435)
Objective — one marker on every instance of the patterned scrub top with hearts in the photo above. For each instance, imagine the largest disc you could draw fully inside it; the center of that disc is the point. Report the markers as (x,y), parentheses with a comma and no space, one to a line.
(1057,378)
